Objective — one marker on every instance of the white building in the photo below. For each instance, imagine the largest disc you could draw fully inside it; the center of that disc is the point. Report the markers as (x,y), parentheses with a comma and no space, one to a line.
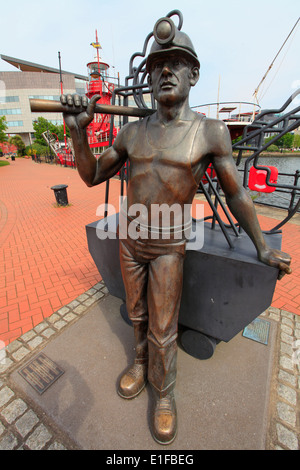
(33,81)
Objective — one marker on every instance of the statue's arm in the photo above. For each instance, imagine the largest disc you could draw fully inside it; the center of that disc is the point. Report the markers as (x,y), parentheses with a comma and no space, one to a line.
(237,198)
(93,171)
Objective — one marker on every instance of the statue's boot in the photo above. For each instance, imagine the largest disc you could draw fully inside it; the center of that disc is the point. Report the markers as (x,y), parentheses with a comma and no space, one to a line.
(134,380)
(164,418)
(162,376)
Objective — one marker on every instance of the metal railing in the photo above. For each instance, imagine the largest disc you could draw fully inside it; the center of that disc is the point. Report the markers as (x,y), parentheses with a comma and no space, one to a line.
(253,137)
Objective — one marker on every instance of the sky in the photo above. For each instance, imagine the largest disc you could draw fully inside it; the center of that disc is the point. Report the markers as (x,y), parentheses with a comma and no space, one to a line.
(236,41)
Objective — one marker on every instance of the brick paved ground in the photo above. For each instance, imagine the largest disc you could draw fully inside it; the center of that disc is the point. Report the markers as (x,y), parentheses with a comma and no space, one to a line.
(44,259)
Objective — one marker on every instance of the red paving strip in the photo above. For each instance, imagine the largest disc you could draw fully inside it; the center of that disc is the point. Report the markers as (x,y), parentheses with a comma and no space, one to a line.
(44,258)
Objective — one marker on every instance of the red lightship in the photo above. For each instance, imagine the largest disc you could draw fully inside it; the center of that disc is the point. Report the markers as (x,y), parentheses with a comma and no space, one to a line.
(102,84)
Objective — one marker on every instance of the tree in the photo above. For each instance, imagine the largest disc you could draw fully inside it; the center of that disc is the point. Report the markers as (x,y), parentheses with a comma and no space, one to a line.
(60,132)
(286,141)
(3,127)
(272,148)
(42,125)
(38,149)
(18,142)
(235,141)
(296,143)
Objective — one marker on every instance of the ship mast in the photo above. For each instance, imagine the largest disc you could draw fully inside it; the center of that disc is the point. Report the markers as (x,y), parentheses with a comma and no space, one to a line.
(98,56)
(272,63)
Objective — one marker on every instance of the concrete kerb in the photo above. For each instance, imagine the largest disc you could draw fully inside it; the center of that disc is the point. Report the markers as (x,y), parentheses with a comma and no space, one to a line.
(24,426)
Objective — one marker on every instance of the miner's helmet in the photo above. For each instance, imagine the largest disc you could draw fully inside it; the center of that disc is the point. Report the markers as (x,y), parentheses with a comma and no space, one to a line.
(169,39)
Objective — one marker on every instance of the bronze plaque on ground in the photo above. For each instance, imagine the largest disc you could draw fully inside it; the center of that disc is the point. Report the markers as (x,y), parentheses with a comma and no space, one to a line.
(41,373)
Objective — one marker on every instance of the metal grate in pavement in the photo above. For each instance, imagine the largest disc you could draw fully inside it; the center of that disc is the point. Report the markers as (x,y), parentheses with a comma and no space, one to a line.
(41,373)
(258,330)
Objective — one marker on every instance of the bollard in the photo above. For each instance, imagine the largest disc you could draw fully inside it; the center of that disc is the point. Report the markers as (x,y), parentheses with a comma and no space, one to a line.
(60,193)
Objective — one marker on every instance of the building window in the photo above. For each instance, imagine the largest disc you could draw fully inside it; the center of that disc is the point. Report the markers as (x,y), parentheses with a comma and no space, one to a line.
(45,97)
(57,122)
(9,99)
(14,123)
(81,86)
(10,111)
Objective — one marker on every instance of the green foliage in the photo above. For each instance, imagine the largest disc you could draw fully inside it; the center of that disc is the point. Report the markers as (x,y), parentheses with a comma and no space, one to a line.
(272,148)
(28,150)
(285,142)
(296,142)
(3,127)
(237,140)
(254,195)
(60,132)
(38,149)
(18,142)
(42,125)
(4,163)
(288,140)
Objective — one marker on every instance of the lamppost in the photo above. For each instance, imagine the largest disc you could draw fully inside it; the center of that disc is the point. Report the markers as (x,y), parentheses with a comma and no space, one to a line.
(62,92)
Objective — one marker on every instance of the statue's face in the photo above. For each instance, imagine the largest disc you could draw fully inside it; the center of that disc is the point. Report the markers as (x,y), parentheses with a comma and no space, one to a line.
(171,78)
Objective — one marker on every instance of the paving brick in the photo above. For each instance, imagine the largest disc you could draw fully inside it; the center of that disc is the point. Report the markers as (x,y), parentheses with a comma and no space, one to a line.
(5,365)
(26,423)
(48,332)
(4,326)
(27,326)
(12,347)
(39,438)
(289,394)
(287,377)
(36,319)
(13,315)
(34,343)
(20,353)
(69,317)
(23,306)
(28,336)
(287,437)
(5,395)
(56,446)
(63,311)
(60,324)
(14,410)
(8,442)
(286,413)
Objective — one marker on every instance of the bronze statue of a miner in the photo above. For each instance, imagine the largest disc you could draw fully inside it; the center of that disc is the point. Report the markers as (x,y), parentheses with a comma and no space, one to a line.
(168,152)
